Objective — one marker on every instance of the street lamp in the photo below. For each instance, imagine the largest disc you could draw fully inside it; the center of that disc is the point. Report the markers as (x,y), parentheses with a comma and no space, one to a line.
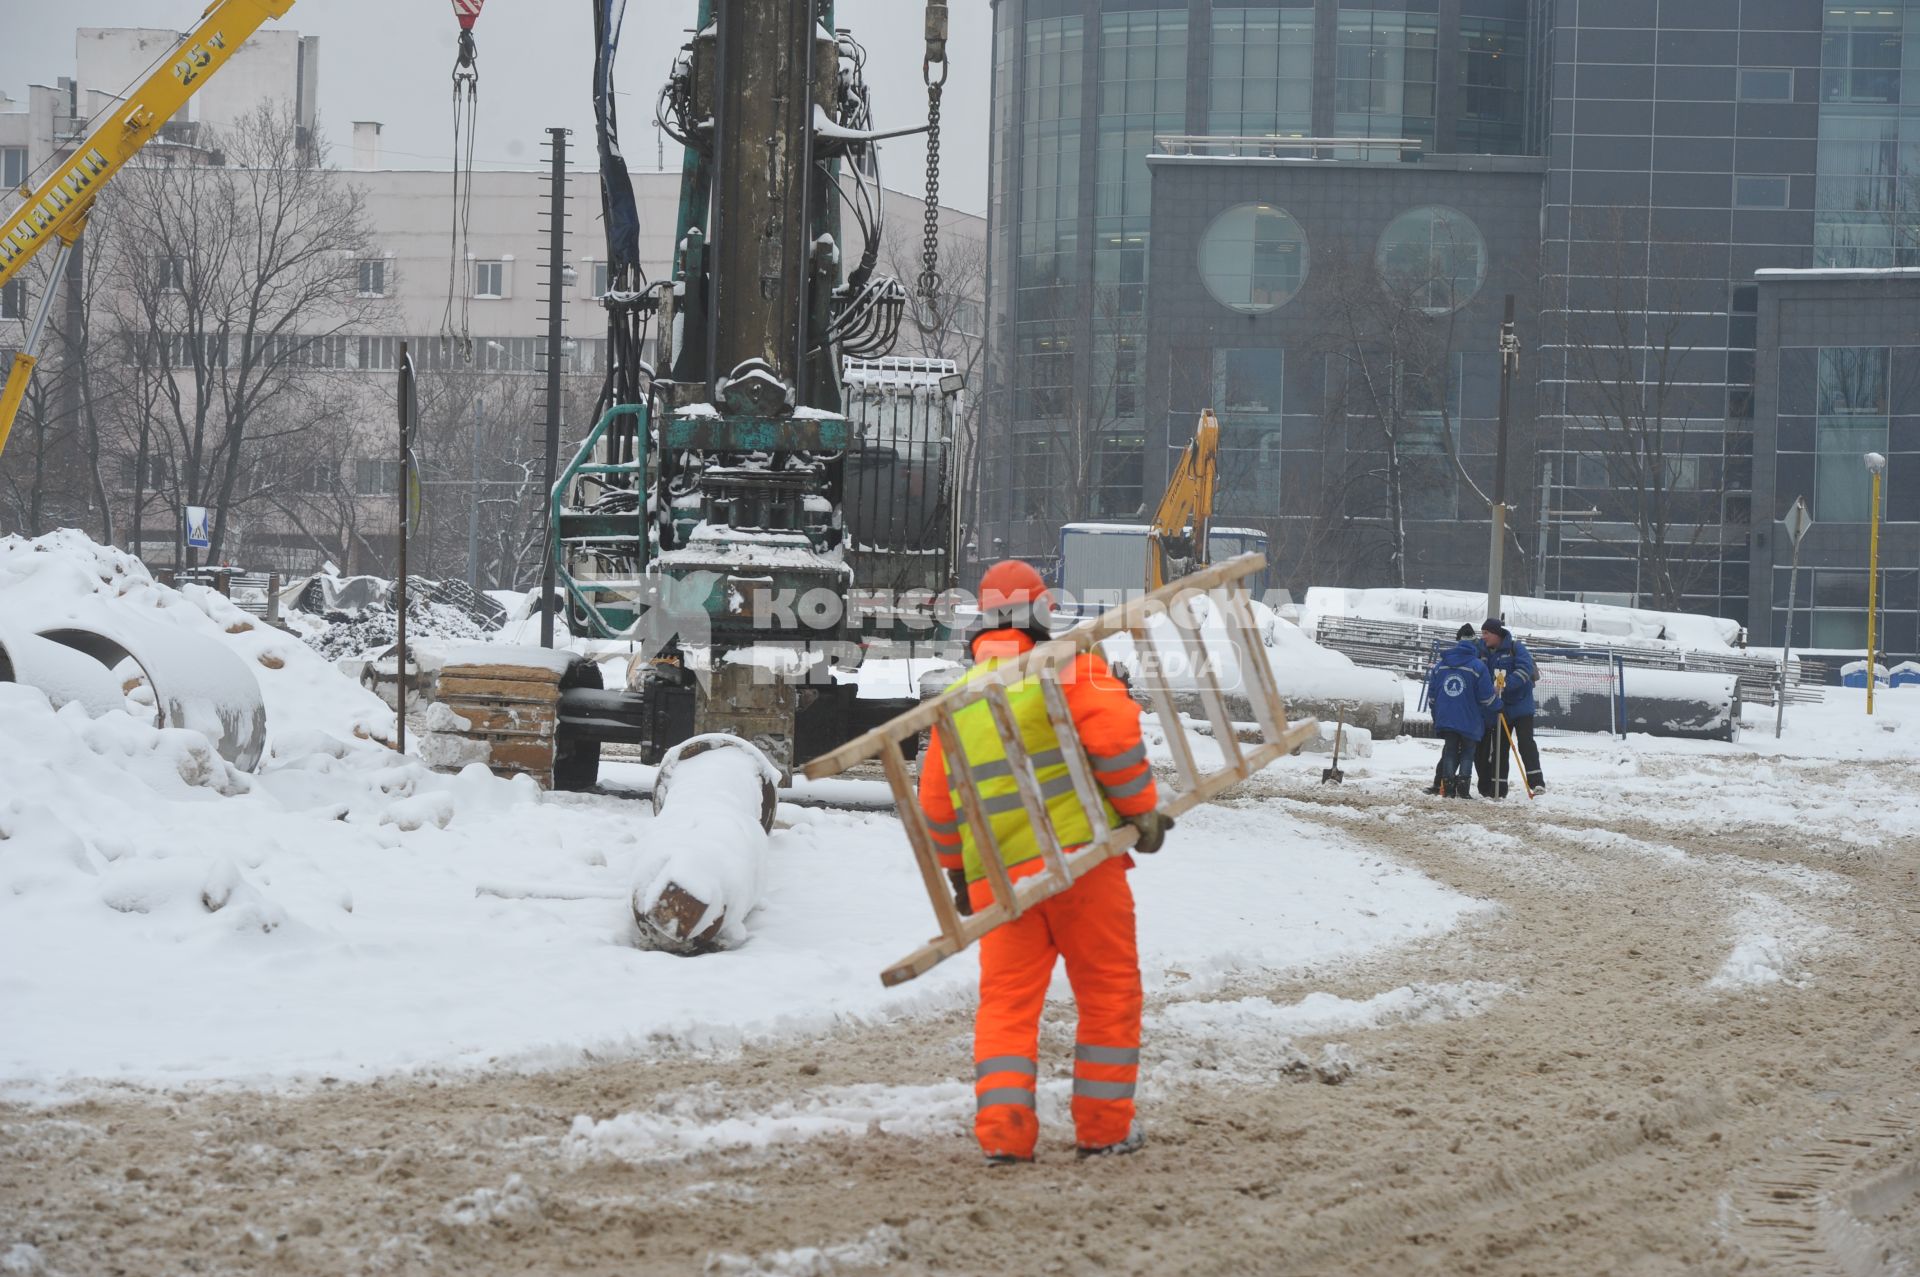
(1877,467)
(1799,519)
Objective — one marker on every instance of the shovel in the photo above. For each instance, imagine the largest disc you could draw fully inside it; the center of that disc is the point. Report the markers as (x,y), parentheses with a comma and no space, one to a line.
(1333,775)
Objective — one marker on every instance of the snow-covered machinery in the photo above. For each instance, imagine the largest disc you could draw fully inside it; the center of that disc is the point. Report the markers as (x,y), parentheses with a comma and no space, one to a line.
(706,516)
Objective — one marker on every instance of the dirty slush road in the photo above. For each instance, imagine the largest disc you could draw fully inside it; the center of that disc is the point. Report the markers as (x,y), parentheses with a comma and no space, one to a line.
(1607,1113)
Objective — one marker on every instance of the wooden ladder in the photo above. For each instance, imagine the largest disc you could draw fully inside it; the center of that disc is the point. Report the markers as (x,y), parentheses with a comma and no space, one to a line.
(1221,584)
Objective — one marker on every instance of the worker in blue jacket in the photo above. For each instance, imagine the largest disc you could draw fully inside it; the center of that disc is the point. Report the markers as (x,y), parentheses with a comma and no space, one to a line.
(1440,774)
(1462,694)
(1515,674)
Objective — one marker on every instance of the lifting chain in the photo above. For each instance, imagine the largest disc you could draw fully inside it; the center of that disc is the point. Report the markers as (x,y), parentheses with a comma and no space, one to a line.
(936,84)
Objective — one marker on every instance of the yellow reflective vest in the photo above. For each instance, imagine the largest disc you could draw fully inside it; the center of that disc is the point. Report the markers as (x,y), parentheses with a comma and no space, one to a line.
(992,774)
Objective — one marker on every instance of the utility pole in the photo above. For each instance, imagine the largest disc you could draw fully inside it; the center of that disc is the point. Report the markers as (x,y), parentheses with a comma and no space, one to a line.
(1496,556)
(556,255)
(407,409)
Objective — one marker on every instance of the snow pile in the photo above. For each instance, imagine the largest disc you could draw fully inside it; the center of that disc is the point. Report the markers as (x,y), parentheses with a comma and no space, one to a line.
(65,578)
(74,859)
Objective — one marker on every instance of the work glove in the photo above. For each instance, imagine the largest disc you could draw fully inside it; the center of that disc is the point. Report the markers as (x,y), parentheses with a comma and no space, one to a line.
(962,902)
(1153,829)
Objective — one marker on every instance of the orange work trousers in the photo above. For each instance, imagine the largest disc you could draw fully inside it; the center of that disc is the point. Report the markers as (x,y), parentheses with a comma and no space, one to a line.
(1091,925)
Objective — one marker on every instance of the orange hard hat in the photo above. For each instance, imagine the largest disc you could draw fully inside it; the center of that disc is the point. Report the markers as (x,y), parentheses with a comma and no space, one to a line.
(1013,594)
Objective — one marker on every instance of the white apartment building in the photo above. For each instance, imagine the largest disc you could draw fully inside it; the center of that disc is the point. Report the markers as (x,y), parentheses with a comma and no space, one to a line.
(492,288)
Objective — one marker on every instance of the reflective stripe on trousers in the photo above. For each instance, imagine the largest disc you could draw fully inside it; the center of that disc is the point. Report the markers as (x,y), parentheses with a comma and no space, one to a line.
(996,1067)
(1105,1072)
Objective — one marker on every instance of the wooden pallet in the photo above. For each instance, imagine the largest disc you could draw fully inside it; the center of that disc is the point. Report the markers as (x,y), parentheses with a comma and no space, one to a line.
(502,715)
(1191,787)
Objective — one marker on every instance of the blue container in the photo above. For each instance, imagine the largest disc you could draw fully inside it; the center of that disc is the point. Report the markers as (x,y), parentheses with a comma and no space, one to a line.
(1854,674)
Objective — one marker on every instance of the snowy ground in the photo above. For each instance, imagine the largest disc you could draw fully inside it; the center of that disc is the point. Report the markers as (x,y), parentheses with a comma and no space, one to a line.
(347,913)
(1618,1028)
(358,936)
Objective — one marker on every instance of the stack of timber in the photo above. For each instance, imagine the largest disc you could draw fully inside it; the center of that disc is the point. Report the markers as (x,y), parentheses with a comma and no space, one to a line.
(492,704)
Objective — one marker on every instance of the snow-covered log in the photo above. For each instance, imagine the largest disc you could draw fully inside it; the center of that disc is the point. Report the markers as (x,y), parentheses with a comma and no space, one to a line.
(704,867)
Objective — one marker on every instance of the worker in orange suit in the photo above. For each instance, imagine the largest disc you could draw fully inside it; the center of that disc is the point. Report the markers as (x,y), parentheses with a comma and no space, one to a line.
(1091,924)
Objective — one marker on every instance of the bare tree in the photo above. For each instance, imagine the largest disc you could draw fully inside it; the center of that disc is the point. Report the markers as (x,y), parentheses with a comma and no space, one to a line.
(1393,382)
(482,472)
(313,493)
(1635,386)
(239,286)
(50,476)
(1395,370)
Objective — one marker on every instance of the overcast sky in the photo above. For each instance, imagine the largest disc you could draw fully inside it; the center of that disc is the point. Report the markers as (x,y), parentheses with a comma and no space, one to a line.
(389,60)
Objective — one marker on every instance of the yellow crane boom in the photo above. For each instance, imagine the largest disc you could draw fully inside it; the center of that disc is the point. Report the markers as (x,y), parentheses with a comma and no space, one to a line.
(56,211)
(1177,539)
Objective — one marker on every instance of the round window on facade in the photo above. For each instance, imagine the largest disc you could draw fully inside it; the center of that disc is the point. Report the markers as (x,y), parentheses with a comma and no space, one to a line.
(1435,257)
(1253,258)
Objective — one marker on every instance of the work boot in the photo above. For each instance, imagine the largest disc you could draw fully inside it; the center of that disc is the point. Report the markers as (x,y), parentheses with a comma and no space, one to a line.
(1537,783)
(1005,1159)
(1445,789)
(1132,1144)
(1463,791)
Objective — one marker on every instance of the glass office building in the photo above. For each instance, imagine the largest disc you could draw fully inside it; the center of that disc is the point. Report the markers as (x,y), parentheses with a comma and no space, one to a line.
(1081,92)
(1687,200)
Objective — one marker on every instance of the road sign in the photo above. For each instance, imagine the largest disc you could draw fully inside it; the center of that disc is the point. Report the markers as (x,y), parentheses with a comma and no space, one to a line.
(1798,520)
(199,527)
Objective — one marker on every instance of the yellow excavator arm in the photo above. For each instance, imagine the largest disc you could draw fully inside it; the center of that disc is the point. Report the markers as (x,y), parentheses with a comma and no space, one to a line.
(1177,539)
(56,212)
